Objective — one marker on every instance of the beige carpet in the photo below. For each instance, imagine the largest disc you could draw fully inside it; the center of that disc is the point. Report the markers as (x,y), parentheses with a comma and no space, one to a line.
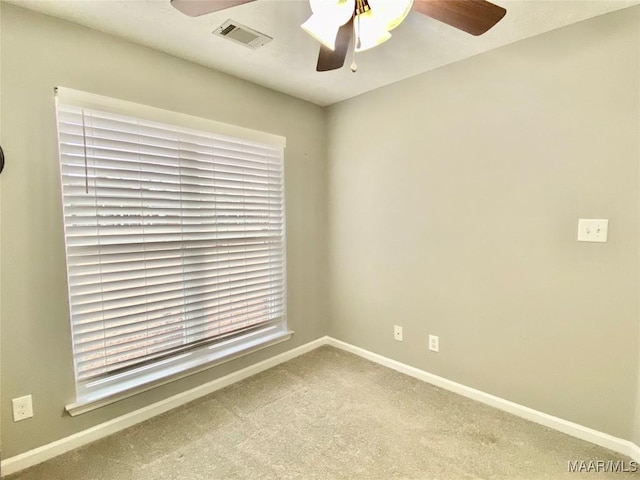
(330,415)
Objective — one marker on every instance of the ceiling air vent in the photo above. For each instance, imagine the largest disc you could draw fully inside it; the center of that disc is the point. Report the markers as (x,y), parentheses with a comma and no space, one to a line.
(246,36)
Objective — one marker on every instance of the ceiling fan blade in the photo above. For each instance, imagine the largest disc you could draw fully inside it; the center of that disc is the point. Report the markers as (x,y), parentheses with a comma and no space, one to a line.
(333,59)
(471,16)
(195,8)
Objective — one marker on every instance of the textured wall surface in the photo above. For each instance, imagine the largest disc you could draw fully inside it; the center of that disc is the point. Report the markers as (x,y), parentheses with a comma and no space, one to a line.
(454,203)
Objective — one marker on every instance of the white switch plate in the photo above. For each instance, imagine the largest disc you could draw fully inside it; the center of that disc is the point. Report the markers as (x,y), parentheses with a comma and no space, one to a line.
(22,408)
(397,333)
(434,343)
(592,230)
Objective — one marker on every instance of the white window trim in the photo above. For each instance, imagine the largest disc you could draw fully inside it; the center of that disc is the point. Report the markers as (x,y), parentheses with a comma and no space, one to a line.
(144,378)
(162,377)
(91,100)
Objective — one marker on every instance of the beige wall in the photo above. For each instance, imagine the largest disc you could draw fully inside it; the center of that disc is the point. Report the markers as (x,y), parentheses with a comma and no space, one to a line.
(636,424)
(40,52)
(454,201)
(1,404)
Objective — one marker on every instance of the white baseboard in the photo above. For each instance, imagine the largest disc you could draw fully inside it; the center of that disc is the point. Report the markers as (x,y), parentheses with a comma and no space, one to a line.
(616,444)
(64,445)
(634,452)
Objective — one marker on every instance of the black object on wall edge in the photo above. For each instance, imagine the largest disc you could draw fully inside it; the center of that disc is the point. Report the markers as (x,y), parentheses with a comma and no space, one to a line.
(1,160)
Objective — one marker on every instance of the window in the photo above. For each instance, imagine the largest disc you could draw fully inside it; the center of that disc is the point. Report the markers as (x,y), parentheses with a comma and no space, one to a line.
(175,242)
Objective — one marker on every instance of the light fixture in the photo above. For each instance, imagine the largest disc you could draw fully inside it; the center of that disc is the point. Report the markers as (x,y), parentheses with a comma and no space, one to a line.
(372,19)
(370,31)
(392,12)
(322,29)
(328,16)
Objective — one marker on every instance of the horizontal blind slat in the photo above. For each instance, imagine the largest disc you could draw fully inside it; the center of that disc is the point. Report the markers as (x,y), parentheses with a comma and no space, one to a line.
(201,318)
(130,288)
(173,292)
(169,310)
(139,268)
(146,321)
(93,367)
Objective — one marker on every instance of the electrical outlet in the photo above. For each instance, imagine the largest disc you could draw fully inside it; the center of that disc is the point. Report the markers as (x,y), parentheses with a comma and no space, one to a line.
(22,408)
(397,333)
(593,230)
(434,343)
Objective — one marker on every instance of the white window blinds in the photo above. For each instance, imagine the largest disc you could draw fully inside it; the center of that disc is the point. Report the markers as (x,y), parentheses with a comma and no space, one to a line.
(174,239)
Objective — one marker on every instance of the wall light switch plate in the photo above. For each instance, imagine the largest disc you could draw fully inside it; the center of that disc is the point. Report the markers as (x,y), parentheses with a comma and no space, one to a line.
(592,230)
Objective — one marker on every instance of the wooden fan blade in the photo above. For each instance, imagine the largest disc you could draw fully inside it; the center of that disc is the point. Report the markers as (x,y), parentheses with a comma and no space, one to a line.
(333,59)
(195,8)
(471,16)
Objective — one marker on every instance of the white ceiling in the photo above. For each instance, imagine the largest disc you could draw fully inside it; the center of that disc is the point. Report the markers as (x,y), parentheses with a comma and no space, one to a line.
(287,64)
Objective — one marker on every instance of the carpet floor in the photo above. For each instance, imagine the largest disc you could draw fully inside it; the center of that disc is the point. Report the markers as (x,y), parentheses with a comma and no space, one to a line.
(331,415)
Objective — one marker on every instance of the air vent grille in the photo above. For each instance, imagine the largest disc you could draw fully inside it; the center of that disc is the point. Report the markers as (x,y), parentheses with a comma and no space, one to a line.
(246,36)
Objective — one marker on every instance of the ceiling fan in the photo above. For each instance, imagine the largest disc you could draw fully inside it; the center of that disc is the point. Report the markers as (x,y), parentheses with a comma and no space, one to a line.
(336,23)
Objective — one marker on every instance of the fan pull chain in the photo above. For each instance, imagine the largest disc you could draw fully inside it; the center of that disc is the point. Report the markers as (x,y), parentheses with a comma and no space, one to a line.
(360,8)
(356,41)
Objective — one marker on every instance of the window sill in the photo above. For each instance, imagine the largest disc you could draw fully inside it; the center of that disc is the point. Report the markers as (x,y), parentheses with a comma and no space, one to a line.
(101,400)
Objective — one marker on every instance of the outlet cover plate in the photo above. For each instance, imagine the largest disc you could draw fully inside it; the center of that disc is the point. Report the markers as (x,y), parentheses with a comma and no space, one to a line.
(434,343)
(397,333)
(22,408)
(593,230)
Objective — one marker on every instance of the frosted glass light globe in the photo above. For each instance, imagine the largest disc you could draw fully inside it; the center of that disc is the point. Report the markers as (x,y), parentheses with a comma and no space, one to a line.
(391,12)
